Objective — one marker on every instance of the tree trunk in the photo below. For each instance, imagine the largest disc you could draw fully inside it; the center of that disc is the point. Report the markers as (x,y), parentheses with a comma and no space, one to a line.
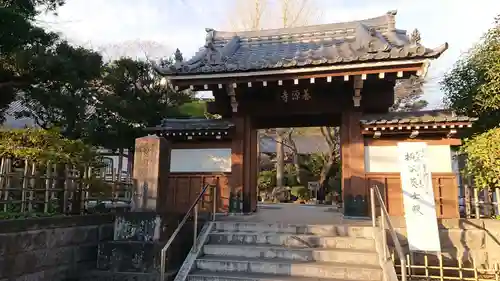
(296,160)
(323,178)
(280,161)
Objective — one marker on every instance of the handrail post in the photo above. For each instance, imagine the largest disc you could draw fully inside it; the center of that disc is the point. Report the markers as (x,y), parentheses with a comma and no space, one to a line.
(195,231)
(214,210)
(403,269)
(385,220)
(372,203)
(193,208)
(162,263)
(384,234)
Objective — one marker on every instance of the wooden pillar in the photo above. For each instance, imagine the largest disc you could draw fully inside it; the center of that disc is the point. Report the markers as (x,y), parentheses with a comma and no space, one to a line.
(250,168)
(151,171)
(244,162)
(237,151)
(354,191)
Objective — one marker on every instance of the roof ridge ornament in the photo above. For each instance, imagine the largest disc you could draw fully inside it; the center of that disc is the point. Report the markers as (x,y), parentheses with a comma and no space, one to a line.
(391,20)
(210,38)
(415,37)
(178,56)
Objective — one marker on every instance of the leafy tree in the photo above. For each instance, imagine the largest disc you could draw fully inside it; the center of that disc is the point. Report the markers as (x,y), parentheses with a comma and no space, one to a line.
(133,97)
(16,21)
(21,42)
(472,87)
(483,158)
(64,92)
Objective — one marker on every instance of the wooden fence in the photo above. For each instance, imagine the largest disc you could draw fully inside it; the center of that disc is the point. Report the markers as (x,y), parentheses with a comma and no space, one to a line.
(474,203)
(30,188)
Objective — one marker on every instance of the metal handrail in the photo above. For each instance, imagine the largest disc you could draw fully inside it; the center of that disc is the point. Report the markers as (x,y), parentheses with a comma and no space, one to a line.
(194,207)
(375,194)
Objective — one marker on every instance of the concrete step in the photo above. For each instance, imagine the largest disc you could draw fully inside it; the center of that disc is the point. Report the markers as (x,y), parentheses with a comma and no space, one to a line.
(322,230)
(290,240)
(201,275)
(361,257)
(129,256)
(277,266)
(99,275)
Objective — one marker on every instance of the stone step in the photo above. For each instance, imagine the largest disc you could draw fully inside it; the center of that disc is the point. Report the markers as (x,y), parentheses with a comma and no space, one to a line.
(129,256)
(322,230)
(99,275)
(341,271)
(290,240)
(201,275)
(361,257)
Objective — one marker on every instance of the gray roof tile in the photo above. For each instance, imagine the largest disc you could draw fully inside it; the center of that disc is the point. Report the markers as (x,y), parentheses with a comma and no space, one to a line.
(193,124)
(374,39)
(419,117)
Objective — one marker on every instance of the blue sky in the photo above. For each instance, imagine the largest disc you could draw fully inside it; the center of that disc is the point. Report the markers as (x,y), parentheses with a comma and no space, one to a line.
(170,24)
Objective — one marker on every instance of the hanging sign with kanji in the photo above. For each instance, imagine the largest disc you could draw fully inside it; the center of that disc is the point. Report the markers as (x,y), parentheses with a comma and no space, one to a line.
(418,197)
(295,95)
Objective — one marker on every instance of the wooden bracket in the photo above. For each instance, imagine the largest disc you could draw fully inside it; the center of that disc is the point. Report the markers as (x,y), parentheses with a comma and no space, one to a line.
(358,86)
(232,95)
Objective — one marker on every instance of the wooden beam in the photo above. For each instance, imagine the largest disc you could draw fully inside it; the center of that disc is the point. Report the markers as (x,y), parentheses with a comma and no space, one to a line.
(388,73)
(429,141)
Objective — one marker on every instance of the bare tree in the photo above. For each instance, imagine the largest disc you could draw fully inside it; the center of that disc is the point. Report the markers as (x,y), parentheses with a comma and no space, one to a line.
(332,138)
(262,14)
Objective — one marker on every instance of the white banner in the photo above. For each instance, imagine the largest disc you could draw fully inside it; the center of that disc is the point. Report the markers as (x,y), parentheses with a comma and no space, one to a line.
(418,197)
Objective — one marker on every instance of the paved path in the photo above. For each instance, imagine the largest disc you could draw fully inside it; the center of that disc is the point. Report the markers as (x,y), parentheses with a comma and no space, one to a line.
(296,214)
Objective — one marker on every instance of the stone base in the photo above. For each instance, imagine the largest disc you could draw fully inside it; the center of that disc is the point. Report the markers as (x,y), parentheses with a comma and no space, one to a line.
(129,256)
(97,275)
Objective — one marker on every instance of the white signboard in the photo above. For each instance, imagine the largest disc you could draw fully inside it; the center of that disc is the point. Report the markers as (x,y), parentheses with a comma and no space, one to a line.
(200,160)
(313,185)
(418,197)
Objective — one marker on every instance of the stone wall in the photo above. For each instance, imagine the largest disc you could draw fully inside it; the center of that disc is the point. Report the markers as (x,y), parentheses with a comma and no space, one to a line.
(470,240)
(51,249)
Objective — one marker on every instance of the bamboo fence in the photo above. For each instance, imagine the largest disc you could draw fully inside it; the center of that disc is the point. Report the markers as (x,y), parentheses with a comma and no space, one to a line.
(27,187)
(436,267)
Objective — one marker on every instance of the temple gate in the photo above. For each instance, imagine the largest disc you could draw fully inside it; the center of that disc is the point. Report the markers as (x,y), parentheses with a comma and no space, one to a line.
(340,74)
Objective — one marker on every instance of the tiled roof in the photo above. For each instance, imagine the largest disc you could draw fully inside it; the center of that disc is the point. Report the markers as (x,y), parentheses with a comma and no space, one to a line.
(193,125)
(369,40)
(419,117)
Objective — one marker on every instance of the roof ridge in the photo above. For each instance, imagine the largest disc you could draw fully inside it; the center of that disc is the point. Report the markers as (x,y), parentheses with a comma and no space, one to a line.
(387,21)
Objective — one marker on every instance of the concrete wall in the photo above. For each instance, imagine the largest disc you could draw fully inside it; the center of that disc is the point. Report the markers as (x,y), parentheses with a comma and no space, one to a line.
(466,239)
(51,249)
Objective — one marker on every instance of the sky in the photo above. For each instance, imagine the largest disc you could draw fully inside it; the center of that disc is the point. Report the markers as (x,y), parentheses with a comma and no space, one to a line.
(158,27)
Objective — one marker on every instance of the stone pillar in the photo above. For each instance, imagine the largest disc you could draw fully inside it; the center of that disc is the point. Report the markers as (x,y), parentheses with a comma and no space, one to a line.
(151,171)
(354,190)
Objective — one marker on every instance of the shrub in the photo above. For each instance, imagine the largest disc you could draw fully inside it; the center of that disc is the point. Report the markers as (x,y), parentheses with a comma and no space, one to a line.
(266,180)
(40,146)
